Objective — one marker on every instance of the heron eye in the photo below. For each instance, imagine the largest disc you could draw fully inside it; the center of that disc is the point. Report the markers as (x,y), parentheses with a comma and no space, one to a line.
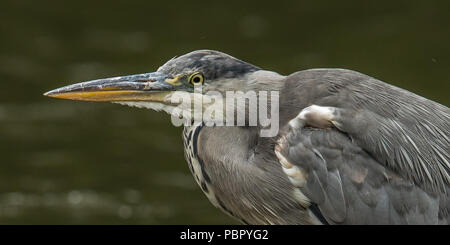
(196,79)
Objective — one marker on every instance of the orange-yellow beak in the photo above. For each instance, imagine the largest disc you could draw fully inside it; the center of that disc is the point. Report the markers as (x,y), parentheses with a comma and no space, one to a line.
(142,87)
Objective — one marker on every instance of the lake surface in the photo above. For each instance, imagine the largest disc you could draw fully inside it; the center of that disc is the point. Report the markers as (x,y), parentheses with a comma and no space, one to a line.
(66,162)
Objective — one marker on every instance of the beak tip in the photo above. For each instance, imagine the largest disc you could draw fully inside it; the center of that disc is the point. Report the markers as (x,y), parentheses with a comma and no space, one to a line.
(49,93)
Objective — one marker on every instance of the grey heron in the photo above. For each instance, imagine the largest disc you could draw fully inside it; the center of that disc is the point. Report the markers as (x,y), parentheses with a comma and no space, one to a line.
(350,149)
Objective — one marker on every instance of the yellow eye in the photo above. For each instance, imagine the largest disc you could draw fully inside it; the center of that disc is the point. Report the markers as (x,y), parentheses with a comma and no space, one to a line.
(196,79)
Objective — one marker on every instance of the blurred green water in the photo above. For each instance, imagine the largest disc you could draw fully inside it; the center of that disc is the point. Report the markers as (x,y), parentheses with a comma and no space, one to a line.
(65,162)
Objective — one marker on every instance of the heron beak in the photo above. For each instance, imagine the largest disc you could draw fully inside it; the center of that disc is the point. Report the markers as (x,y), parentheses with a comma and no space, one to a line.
(152,87)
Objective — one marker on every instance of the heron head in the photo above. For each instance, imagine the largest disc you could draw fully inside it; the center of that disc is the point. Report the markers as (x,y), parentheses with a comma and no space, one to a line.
(194,75)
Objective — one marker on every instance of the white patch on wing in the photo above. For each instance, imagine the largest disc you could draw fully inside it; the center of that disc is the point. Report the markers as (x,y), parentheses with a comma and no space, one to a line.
(316,116)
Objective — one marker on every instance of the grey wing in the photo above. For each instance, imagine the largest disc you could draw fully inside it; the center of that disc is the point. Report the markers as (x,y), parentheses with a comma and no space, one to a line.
(349,186)
(401,130)
(397,133)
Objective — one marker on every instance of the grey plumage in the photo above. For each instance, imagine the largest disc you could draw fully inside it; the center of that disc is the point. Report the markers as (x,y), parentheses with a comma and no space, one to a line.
(214,65)
(403,133)
(400,139)
(351,149)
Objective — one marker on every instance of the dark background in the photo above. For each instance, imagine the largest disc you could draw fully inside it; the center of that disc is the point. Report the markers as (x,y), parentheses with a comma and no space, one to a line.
(66,162)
